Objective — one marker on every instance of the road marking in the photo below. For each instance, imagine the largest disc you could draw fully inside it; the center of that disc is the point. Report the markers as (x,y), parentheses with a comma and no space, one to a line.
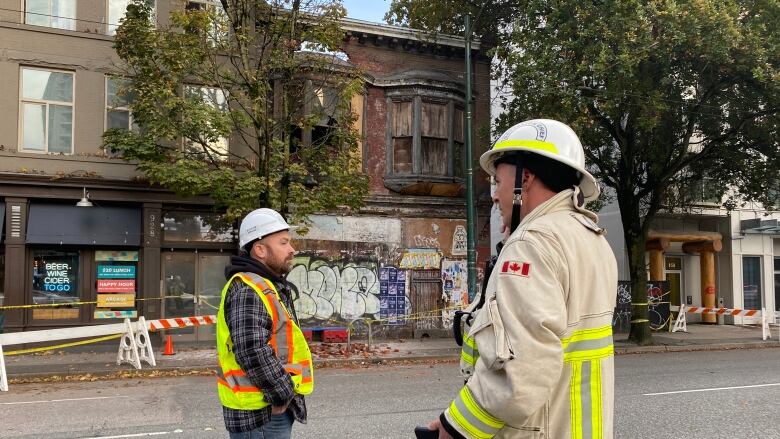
(154,433)
(712,389)
(61,400)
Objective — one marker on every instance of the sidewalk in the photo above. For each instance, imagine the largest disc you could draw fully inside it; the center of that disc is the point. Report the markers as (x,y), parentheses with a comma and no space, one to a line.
(100,360)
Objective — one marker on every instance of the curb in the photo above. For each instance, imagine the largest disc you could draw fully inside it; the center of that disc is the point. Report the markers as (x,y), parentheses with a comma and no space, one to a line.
(328,363)
(693,348)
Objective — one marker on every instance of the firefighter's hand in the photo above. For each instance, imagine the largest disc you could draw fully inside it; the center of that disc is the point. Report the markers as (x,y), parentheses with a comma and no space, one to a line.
(279,409)
(436,425)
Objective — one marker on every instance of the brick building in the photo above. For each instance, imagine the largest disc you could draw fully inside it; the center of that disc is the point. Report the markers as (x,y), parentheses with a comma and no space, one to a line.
(403,253)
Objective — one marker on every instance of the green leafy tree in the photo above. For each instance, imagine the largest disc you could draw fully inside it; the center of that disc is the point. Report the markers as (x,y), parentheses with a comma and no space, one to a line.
(264,77)
(662,93)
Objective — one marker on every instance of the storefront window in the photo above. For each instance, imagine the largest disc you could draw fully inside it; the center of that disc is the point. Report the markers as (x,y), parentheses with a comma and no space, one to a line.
(196,227)
(751,281)
(55,280)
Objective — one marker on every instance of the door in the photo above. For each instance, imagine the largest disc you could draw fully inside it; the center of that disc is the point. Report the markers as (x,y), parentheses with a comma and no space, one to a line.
(192,283)
(673,265)
(425,296)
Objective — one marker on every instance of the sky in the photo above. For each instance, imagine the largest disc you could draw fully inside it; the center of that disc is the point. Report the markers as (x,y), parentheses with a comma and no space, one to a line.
(369,10)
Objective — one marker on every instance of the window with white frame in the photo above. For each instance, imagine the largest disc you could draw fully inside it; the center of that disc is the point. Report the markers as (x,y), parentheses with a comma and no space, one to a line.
(751,282)
(219,20)
(51,13)
(116,11)
(214,97)
(118,113)
(46,110)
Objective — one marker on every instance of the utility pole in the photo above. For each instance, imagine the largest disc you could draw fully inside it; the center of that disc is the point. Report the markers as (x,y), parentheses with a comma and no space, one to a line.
(470,208)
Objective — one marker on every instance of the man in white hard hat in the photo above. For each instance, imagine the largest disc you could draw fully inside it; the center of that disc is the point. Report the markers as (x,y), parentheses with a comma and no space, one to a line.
(538,352)
(265,363)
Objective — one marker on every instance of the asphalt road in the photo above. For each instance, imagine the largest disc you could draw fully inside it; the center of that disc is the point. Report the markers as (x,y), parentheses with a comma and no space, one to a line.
(680,395)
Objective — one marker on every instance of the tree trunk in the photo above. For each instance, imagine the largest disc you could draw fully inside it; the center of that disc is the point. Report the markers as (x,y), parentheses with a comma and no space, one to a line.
(640,322)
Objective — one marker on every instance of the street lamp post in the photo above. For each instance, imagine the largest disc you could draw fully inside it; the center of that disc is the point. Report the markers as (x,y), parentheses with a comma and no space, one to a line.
(470,215)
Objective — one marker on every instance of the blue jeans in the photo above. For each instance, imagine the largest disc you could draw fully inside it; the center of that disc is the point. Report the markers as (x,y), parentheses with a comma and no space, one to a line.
(279,427)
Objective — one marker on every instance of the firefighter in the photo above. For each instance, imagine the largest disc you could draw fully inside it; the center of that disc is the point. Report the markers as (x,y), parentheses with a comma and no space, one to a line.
(538,353)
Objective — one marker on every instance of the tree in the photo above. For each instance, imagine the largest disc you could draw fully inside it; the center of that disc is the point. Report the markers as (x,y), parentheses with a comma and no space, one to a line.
(264,77)
(662,94)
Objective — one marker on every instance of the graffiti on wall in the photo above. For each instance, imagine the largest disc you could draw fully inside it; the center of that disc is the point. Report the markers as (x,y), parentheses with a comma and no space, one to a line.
(459,241)
(340,291)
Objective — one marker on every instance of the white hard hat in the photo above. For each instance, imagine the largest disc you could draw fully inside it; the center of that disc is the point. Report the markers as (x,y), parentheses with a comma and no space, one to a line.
(260,223)
(548,138)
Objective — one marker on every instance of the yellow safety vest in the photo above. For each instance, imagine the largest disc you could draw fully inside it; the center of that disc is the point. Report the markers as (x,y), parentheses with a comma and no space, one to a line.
(287,340)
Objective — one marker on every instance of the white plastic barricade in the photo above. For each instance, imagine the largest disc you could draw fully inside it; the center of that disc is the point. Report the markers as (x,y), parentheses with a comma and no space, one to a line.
(181,322)
(681,324)
(137,332)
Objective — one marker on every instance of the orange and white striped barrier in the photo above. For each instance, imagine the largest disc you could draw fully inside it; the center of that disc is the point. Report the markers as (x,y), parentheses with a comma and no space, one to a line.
(681,324)
(181,322)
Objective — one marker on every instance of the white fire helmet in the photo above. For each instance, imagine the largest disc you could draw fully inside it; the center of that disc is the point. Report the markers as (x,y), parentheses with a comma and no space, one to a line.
(260,223)
(548,138)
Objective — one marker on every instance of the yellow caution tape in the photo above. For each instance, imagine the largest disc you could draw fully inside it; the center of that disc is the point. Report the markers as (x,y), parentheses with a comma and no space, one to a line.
(66,345)
(93,302)
(640,321)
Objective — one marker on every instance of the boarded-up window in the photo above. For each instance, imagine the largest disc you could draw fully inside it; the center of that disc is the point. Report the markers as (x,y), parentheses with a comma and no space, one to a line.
(434,120)
(434,156)
(402,137)
(434,138)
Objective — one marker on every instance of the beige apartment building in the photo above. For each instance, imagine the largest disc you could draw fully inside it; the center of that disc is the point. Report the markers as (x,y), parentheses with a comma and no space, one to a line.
(83,227)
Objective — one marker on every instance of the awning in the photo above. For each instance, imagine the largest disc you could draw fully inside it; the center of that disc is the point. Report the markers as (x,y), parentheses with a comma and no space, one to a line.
(97,225)
(2,221)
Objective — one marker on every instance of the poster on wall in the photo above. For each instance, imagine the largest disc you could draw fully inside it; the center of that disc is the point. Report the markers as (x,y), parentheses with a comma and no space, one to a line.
(454,287)
(116,283)
(392,295)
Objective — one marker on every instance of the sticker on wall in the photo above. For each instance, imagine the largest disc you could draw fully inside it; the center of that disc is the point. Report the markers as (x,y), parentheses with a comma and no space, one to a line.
(421,259)
(116,314)
(116,256)
(459,241)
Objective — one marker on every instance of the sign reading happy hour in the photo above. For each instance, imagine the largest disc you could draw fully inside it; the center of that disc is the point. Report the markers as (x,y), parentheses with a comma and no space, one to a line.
(116,286)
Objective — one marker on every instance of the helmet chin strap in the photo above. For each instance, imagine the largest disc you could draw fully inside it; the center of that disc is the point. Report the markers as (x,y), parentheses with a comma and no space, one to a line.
(517,201)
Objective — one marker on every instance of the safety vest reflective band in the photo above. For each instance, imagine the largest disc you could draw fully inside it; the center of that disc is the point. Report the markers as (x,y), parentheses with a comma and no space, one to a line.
(472,418)
(469,352)
(235,389)
(540,145)
(583,351)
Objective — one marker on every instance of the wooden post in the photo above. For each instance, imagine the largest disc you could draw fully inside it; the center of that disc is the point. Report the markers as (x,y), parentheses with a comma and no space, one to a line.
(707,259)
(656,248)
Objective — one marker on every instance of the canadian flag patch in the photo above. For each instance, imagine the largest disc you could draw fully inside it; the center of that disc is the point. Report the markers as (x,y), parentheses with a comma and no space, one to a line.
(516,268)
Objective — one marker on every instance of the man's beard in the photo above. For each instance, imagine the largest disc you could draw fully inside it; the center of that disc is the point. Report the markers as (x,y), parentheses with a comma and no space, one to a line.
(278,265)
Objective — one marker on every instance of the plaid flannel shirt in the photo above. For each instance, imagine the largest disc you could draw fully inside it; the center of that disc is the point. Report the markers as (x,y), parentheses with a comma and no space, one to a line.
(250,330)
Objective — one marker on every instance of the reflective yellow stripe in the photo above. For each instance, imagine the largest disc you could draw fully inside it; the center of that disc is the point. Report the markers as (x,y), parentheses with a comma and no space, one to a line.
(472,418)
(575,403)
(530,144)
(588,344)
(595,398)
(469,353)
(583,351)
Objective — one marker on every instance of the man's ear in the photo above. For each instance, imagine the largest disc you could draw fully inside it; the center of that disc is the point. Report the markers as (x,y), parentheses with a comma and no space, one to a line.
(258,250)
